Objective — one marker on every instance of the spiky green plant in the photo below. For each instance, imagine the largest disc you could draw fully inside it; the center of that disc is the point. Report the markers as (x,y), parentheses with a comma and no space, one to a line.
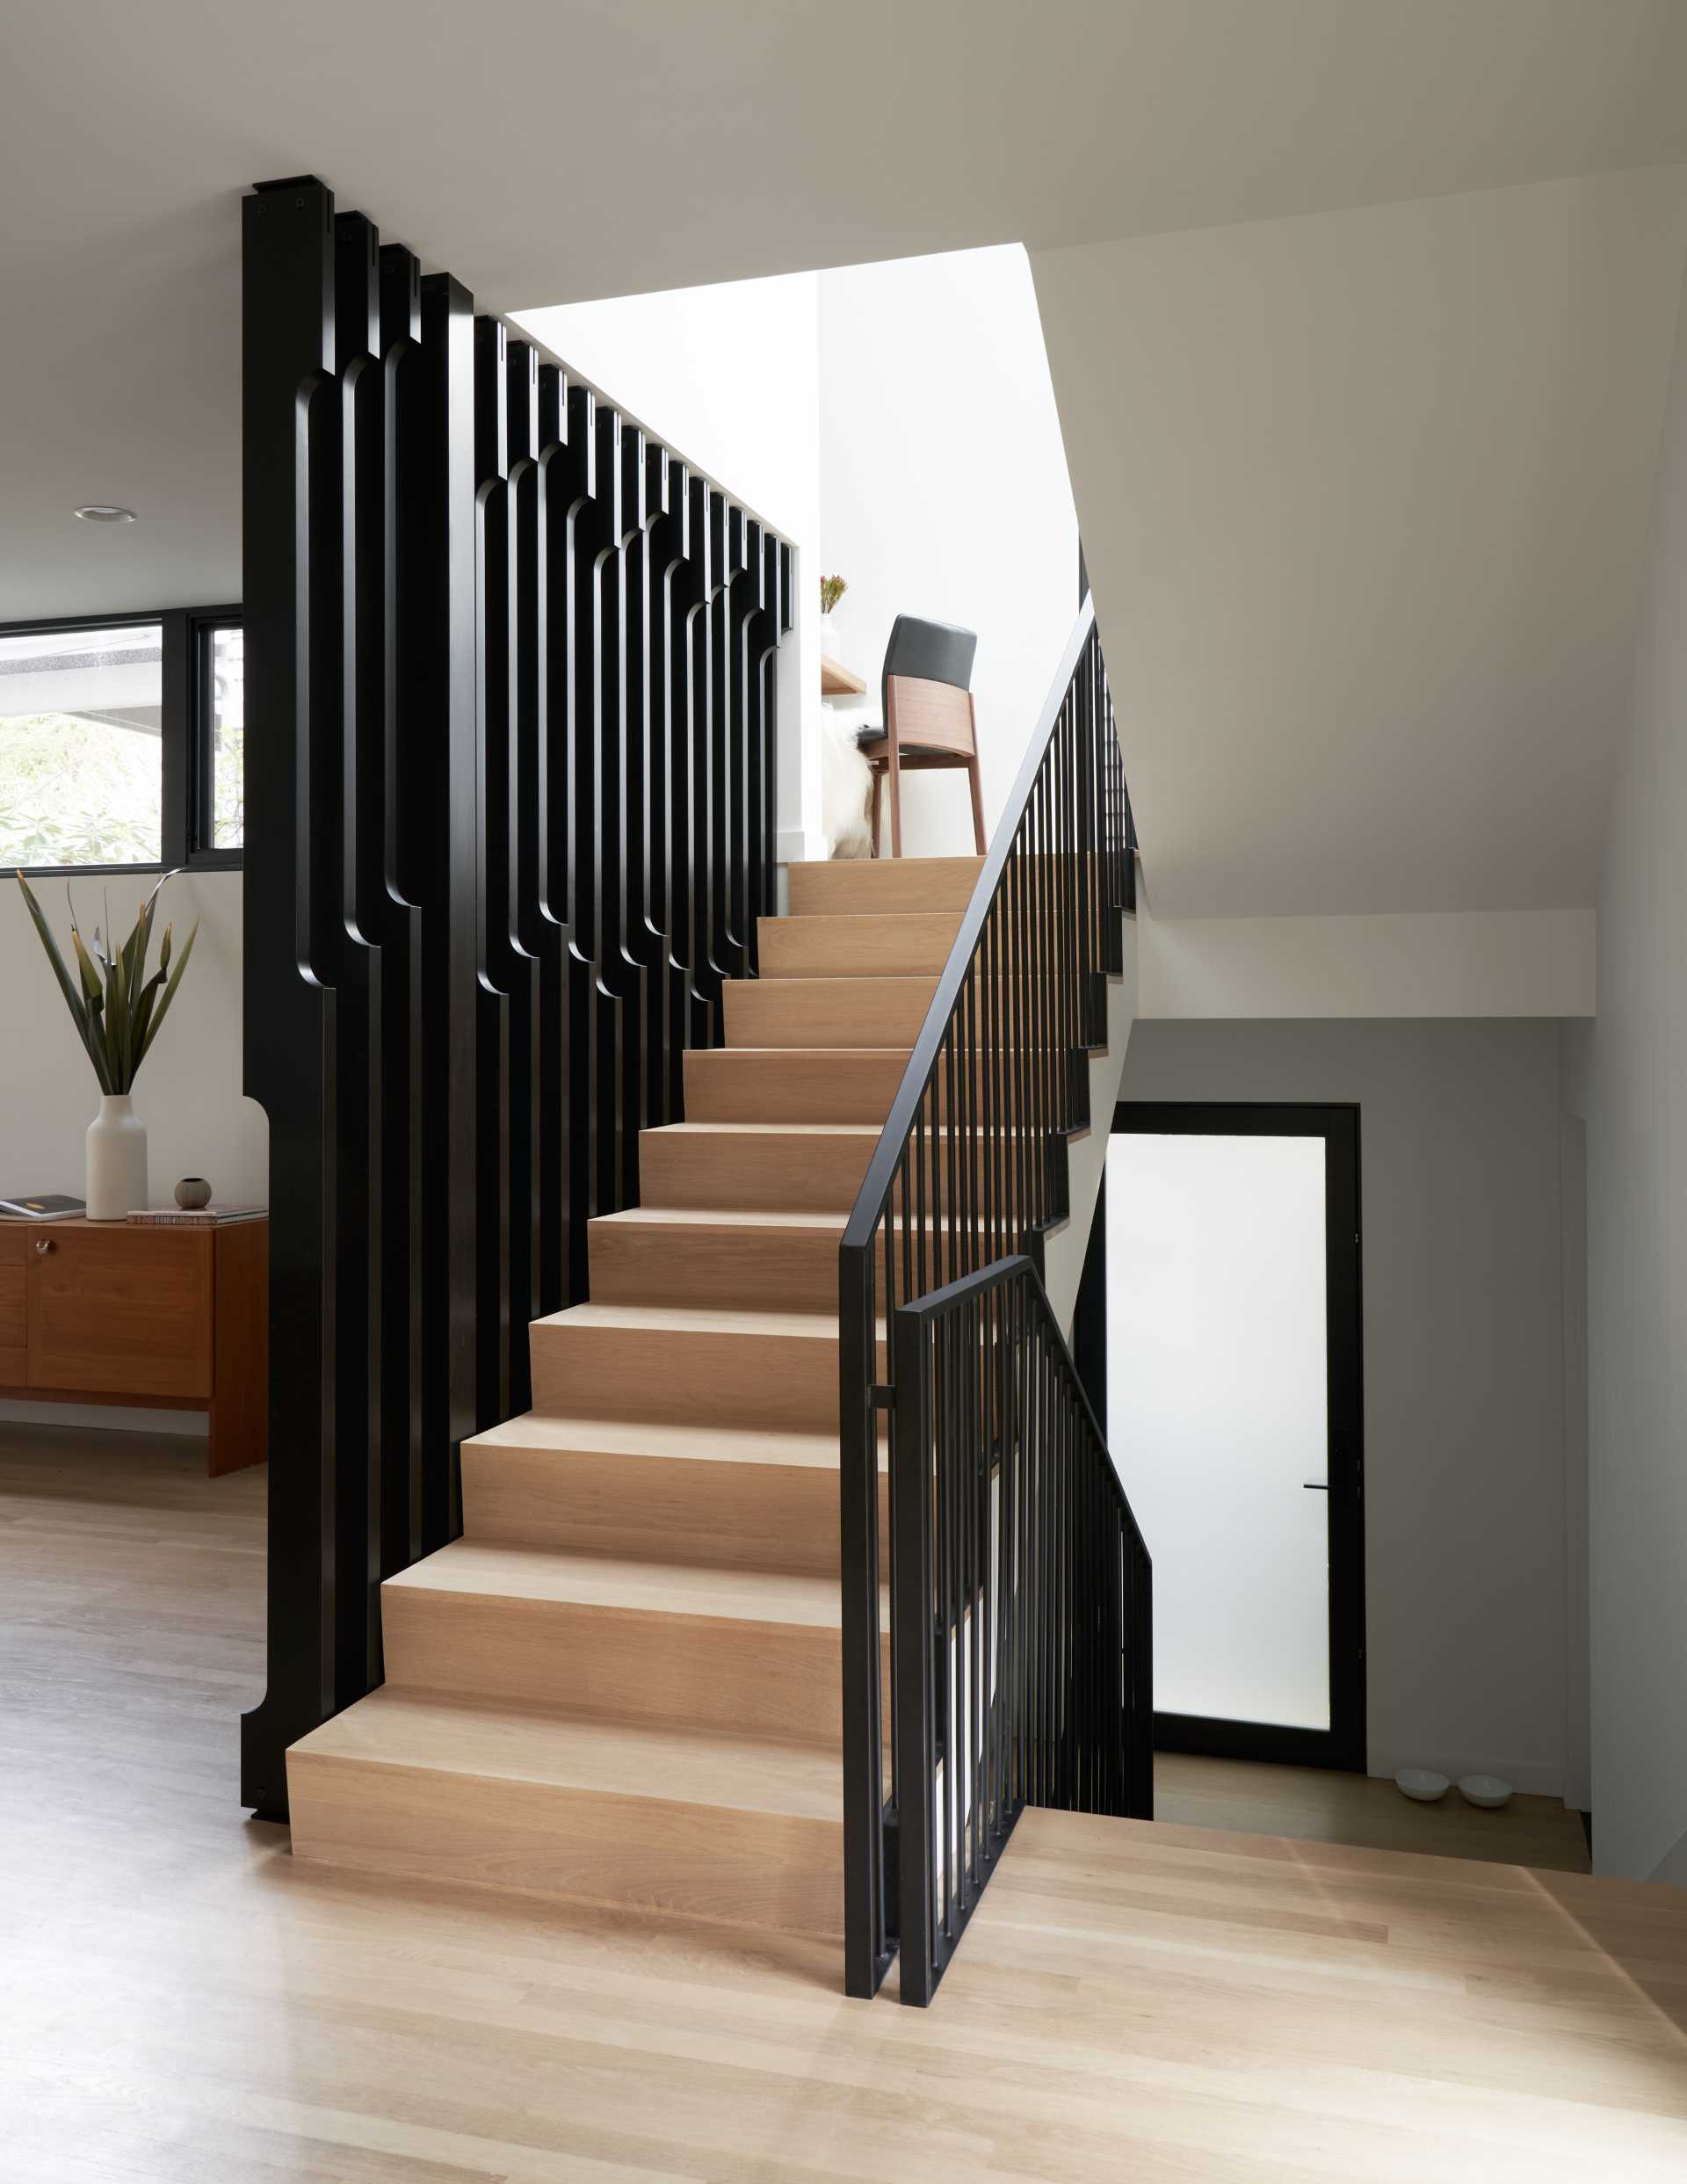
(116,1008)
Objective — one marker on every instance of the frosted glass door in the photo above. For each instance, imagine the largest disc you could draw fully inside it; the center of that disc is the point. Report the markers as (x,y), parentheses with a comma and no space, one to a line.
(1217,1414)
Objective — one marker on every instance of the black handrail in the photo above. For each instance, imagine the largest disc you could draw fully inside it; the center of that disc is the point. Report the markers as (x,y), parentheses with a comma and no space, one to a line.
(1022,1630)
(971,1166)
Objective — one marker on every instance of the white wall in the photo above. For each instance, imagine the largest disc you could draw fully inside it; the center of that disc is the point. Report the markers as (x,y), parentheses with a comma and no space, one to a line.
(897,422)
(1436,963)
(1635,1101)
(728,377)
(1365,496)
(944,492)
(1463,1461)
(188,1093)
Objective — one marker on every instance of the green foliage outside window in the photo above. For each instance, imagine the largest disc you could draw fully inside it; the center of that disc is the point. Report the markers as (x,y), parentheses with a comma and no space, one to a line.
(75,791)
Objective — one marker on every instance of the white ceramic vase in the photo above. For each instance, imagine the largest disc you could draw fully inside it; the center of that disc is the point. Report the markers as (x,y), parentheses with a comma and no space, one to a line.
(117,1159)
(830,643)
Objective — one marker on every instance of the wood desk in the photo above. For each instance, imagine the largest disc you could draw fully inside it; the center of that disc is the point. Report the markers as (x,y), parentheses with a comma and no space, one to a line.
(838,681)
(167,1319)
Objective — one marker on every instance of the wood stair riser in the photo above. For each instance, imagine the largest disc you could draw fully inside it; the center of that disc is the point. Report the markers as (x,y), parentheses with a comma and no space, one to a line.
(740,1171)
(651,1853)
(811,1012)
(882,887)
(751,1516)
(665,1373)
(762,1678)
(780,1268)
(799,1172)
(724,1084)
(912,946)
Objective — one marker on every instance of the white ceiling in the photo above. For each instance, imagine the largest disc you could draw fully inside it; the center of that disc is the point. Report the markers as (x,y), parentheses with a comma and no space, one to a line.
(1366,498)
(549,153)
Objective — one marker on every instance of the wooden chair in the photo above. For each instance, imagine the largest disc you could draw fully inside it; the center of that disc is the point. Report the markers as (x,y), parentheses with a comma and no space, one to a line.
(930,724)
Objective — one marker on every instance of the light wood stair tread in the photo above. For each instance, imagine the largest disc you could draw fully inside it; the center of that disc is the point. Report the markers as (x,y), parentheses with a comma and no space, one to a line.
(868,1130)
(699,1319)
(667,1761)
(501,1570)
(636,1437)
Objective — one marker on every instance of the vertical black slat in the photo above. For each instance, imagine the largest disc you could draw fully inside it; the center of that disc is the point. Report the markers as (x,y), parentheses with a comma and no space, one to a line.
(912,1665)
(762,819)
(445,631)
(644,799)
(692,592)
(619,783)
(680,588)
(974,1463)
(565,1039)
(866,1943)
(403,857)
(592,1090)
(748,670)
(709,962)
(495,974)
(525,935)
(286,399)
(356,944)
(730,726)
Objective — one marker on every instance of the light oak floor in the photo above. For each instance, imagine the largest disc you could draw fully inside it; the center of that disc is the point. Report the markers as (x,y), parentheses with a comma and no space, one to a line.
(182,2003)
(1315,1805)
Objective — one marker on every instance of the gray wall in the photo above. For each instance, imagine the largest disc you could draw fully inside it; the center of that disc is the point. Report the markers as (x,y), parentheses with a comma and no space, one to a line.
(1634,1095)
(1463,1358)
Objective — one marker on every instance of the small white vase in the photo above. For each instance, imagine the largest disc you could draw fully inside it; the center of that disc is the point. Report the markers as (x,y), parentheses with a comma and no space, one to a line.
(117,1160)
(830,643)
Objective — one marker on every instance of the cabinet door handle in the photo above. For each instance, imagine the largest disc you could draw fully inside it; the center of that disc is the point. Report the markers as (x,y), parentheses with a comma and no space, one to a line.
(43,1246)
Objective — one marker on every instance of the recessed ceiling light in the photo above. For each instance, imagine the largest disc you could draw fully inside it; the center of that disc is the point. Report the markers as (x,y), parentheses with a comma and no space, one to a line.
(103,511)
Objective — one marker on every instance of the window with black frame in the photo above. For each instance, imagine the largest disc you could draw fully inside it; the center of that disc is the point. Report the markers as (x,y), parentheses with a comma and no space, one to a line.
(82,745)
(122,742)
(219,738)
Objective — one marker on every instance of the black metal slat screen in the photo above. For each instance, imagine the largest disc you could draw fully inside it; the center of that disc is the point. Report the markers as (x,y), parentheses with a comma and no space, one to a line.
(971,1172)
(511,704)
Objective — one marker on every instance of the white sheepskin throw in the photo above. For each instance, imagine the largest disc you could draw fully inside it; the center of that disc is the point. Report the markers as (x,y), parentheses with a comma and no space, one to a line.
(845,791)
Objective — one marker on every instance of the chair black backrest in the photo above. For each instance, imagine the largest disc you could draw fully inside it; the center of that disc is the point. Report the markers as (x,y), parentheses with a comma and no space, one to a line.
(935,652)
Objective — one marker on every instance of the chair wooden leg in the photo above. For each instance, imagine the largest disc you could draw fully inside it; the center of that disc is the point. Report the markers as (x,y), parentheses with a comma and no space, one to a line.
(978,806)
(895,773)
(878,785)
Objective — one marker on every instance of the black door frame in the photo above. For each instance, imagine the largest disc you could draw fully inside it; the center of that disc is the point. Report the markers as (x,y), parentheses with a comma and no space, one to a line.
(1343,1744)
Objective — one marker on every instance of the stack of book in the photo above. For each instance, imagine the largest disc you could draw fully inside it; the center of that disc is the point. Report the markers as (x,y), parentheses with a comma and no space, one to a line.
(43,1206)
(199,1217)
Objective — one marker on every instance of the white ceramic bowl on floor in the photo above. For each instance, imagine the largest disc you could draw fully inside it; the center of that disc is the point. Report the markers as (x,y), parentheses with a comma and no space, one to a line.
(1421,1783)
(1486,1790)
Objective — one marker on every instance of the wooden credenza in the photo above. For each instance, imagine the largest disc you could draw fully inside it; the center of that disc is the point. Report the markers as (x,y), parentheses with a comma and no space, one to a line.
(170,1319)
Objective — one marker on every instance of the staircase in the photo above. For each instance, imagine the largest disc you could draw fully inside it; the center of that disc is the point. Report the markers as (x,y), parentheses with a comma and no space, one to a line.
(622,1684)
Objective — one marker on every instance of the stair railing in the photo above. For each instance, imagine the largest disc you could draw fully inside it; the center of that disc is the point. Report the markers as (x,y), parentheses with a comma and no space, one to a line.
(1022,1638)
(971,1171)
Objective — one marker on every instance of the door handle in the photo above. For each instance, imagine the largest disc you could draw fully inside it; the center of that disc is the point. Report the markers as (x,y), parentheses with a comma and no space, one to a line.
(1316,1486)
(42,1246)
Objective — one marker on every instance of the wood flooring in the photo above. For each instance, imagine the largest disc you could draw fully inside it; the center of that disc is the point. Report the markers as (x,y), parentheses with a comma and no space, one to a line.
(182,2002)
